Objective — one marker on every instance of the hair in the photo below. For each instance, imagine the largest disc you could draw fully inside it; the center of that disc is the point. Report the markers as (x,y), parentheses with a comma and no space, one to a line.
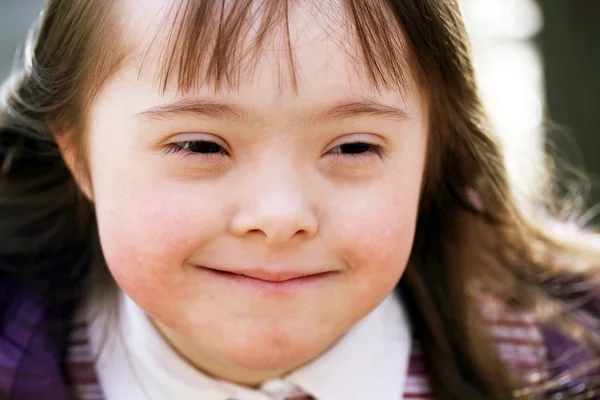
(473,236)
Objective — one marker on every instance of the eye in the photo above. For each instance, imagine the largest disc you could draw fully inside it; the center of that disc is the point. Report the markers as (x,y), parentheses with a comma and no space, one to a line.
(357,149)
(190,147)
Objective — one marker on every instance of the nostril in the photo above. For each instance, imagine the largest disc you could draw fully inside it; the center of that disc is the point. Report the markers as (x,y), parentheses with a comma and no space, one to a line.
(273,225)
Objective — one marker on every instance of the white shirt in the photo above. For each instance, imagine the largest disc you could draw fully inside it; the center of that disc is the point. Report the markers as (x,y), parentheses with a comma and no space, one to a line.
(135,363)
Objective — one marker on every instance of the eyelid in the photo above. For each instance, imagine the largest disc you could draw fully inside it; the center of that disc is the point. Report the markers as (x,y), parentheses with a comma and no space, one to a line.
(192,136)
(197,137)
(369,138)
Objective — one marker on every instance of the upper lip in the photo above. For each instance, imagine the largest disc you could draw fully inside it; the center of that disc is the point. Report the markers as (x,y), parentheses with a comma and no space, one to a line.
(272,275)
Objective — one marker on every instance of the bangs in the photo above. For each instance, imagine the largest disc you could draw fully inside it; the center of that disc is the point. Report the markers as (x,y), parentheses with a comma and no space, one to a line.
(219,42)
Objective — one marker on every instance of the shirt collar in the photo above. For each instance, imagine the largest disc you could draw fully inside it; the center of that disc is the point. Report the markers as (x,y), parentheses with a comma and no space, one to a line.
(370,361)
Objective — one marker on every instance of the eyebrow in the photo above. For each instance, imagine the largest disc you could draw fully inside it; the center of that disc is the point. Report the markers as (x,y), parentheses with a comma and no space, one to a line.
(360,108)
(354,108)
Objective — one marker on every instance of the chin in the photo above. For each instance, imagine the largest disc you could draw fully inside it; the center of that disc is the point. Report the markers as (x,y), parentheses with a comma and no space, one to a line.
(271,353)
(269,360)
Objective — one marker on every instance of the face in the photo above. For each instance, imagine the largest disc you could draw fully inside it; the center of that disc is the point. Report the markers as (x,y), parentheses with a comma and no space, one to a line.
(256,226)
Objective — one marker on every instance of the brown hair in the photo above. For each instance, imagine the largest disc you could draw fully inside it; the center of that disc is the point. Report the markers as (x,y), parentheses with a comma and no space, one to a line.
(462,247)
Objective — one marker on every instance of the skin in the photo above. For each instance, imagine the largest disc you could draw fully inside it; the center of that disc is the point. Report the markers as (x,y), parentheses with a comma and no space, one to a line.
(284,191)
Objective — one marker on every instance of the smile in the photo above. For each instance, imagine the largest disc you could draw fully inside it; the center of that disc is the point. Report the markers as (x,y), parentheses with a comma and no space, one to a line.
(269,280)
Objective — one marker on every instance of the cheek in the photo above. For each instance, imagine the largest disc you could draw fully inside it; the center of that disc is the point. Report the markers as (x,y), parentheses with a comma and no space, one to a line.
(150,226)
(376,231)
(381,240)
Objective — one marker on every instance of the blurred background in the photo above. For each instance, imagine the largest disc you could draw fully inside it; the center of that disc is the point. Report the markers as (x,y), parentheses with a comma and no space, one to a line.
(538,63)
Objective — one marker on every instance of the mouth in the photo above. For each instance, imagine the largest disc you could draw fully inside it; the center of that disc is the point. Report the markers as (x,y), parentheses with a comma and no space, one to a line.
(269,276)
(269,280)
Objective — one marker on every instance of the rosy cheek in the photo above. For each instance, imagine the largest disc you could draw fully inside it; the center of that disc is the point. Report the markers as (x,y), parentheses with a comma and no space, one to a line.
(148,232)
(379,241)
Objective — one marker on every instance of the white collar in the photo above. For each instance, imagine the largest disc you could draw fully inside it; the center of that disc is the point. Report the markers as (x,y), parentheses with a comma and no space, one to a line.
(370,361)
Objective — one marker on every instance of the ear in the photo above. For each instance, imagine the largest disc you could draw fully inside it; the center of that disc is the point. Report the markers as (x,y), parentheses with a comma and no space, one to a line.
(74,159)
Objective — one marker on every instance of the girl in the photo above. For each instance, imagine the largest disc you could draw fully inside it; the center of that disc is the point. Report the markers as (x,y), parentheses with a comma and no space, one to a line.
(274,199)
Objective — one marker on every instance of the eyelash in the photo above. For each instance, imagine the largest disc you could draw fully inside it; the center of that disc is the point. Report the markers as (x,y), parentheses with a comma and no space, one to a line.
(361,149)
(184,147)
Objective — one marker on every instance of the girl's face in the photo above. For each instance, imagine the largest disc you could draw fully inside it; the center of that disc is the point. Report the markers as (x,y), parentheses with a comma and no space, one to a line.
(257,225)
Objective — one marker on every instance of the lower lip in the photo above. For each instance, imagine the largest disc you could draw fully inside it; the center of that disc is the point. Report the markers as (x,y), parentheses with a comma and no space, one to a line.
(271,286)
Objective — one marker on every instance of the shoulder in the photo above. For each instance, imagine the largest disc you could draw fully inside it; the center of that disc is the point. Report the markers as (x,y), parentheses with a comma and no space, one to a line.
(31,344)
(519,338)
(541,358)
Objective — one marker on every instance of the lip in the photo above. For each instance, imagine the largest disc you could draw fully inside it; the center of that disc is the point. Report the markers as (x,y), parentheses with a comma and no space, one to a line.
(271,276)
(269,280)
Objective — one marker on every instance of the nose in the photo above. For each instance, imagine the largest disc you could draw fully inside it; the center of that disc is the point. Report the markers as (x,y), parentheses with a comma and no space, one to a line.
(275,205)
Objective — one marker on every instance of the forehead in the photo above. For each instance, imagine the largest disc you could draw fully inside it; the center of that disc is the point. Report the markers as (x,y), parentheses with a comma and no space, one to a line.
(185,45)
